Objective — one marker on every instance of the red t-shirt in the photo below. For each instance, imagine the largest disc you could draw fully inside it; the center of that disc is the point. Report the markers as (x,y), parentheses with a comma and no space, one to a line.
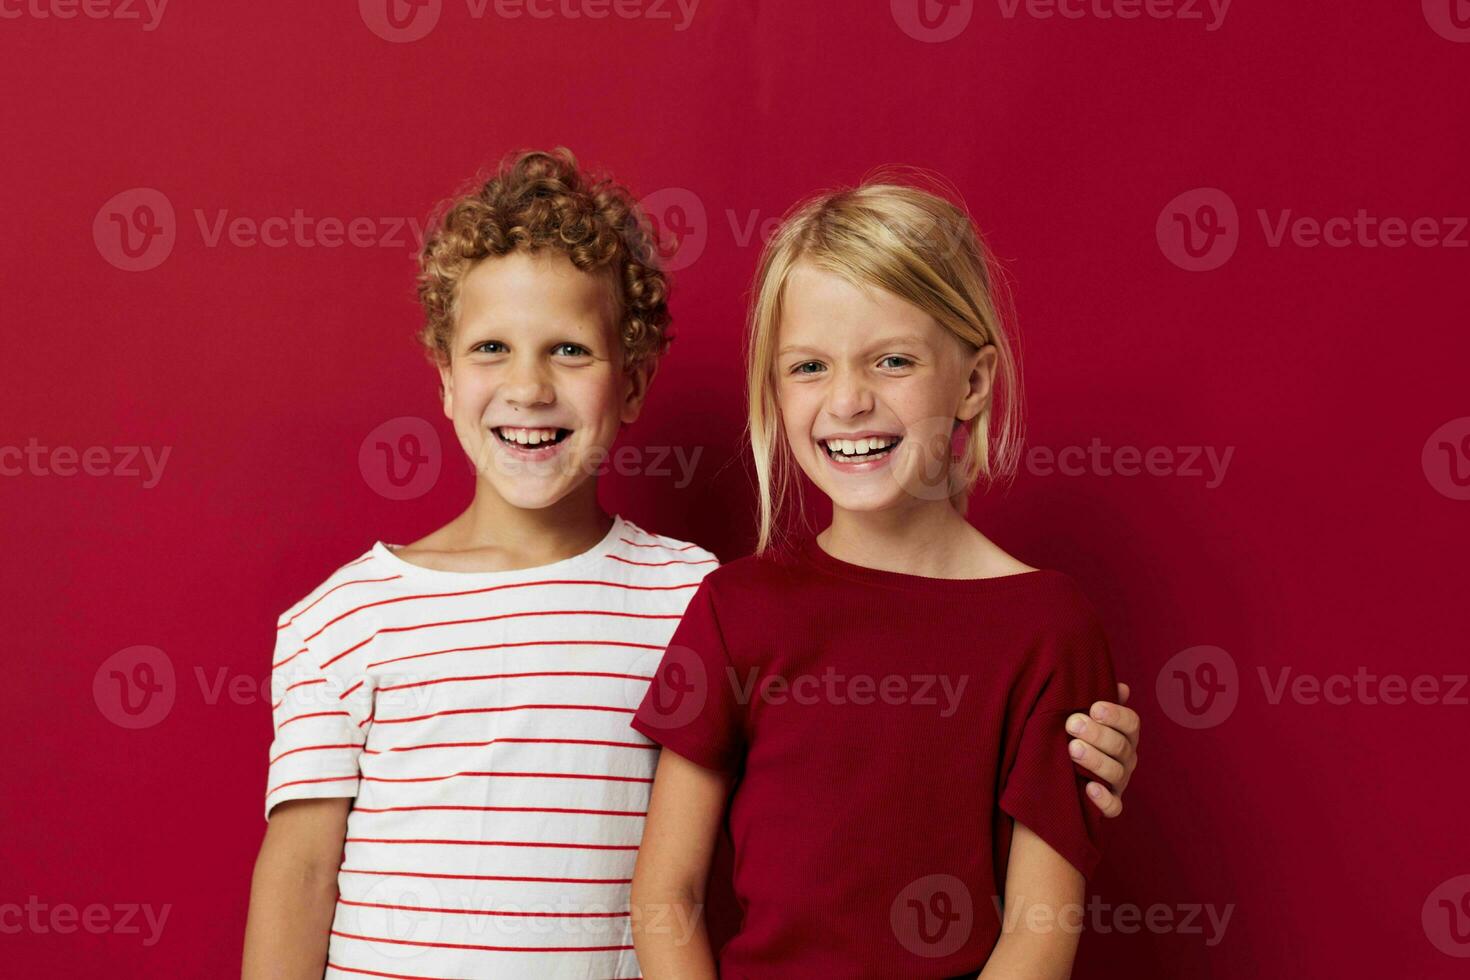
(884,729)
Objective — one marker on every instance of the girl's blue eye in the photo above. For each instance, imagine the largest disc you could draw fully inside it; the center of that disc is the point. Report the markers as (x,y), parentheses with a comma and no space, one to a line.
(807,367)
(903,362)
(570,350)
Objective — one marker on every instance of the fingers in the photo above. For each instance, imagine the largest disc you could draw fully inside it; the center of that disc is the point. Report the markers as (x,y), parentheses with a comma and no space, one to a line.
(1110,804)
(1104,766)
(1108,740)
(1116,716)
(1123,692)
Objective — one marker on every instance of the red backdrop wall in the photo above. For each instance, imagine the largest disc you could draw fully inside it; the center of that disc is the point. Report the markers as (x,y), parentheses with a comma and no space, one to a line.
(1249,425)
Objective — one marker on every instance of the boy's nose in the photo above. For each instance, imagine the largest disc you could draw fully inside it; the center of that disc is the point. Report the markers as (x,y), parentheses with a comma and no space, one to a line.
(528,386)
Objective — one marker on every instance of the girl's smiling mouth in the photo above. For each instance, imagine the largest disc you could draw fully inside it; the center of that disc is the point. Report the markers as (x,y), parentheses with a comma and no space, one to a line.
(861,451)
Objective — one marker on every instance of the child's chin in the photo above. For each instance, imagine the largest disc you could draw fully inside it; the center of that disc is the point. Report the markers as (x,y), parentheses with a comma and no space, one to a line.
(528,494)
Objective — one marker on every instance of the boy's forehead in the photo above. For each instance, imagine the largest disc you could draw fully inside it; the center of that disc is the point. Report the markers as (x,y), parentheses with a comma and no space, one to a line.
(530,288)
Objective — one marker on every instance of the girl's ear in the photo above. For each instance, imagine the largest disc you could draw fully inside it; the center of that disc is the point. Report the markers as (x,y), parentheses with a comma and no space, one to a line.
(978,381)
(639,379)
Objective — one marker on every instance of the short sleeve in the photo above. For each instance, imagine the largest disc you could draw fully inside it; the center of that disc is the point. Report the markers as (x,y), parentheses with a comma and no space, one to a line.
(1043,788)
(319,723)
(692,705)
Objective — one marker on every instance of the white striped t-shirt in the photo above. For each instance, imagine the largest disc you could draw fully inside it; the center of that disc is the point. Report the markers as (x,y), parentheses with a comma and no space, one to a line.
(481,721)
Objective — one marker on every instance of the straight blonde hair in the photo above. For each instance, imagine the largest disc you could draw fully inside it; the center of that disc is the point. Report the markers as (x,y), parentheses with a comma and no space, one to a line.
(921,247)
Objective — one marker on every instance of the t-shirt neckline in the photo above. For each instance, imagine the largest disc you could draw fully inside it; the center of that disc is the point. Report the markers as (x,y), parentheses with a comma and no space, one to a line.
(385,552)
(811,550)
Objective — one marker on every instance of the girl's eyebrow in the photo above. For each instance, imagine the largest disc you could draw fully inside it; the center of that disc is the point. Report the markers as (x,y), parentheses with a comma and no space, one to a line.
(884,343)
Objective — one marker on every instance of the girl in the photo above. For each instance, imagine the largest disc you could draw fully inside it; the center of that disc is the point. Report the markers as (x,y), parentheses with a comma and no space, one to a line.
(883,706)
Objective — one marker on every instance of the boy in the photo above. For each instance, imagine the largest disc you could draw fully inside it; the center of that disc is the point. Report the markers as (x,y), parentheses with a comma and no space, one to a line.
(454,787)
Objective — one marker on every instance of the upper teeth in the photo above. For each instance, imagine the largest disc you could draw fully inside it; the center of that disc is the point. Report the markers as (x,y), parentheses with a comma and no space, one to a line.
(855,447)
(527,437)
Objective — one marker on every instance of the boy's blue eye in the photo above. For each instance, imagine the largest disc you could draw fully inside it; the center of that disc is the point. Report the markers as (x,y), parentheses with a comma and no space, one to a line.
(570,350)
(480,348)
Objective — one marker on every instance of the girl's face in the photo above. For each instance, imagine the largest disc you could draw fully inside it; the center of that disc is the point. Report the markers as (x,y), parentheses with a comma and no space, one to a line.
(870,388)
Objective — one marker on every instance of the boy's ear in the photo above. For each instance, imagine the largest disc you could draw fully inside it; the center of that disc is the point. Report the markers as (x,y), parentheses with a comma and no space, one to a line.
(978,383)
(639,379)
(446,388)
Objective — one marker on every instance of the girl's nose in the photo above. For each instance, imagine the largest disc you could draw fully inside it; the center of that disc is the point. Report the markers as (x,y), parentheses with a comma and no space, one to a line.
(849,396)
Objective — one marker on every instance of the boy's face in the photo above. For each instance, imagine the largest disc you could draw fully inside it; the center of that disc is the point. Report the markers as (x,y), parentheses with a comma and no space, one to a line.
(535,384)
(870,389)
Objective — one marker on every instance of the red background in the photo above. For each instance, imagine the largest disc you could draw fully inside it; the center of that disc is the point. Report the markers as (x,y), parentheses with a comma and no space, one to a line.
(1325,549)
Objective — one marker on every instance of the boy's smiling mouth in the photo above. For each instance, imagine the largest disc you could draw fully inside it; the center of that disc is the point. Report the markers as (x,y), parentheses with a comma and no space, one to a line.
(535,442)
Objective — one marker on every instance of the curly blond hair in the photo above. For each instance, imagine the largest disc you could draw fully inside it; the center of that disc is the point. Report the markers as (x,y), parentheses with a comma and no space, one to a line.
(538,200)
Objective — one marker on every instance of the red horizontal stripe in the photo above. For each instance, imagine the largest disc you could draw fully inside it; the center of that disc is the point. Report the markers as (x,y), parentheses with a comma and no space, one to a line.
(493,843)
(530,915)
(315,680)
(314,714)
(497,588)
(508,707)
(490,619)
(524,643)
(305,782)
(492,949)
(343,695)
(312,748)
(377,973)
(358,581)
(503,809)
(660,564)
(538,673)
(509,775)
(427,874)
(525,741)
(666,547)
(293,656)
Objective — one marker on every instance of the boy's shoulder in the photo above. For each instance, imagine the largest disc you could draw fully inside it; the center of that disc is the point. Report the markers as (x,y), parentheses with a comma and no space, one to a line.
(639,547)
(367,573)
